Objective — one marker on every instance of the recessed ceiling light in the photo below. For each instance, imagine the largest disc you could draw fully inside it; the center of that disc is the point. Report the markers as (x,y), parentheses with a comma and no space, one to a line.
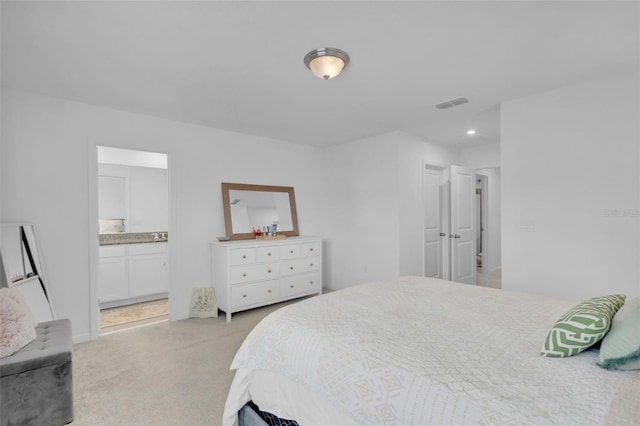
(471,132)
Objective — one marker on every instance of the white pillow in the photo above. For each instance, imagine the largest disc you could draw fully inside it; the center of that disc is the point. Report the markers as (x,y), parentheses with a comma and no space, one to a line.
(17,323)
(620,349)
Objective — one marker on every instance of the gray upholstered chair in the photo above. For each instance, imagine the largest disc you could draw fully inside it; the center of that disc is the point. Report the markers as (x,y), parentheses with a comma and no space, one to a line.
(36,382)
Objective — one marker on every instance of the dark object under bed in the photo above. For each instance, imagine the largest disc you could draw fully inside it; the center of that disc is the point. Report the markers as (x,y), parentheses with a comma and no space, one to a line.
(250,415)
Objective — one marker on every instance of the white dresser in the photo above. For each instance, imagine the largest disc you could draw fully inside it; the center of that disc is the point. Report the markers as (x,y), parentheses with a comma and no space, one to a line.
(251,273)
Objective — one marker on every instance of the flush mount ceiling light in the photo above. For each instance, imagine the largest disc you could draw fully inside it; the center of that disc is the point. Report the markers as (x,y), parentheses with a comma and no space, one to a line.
(326,62)
(471,132)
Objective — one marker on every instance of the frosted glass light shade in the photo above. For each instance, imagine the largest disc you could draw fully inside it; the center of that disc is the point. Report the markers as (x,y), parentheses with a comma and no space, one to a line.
(326,67)
(327,62)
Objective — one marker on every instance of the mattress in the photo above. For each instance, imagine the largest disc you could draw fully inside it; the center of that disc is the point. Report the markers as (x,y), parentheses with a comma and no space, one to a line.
(423,351)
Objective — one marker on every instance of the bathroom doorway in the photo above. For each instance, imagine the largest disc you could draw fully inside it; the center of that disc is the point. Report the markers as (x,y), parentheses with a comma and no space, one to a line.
(132,279)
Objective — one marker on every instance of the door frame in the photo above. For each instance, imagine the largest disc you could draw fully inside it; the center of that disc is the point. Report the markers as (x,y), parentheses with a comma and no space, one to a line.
(94,249)
(484,229)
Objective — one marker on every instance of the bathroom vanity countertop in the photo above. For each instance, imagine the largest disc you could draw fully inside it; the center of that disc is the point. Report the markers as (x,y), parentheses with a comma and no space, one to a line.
(119,238)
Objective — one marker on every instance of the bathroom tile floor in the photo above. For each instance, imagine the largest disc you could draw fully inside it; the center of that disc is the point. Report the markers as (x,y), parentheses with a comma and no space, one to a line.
(124,317)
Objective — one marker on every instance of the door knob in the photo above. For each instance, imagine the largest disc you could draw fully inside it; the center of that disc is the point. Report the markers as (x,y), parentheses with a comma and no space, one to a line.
(442,234)
(456,236)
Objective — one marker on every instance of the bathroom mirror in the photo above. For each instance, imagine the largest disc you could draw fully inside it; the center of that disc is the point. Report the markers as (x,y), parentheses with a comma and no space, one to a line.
(251,206)
(22,268)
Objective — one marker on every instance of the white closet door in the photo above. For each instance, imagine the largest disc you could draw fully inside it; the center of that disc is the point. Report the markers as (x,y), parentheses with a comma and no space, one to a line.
(433,241)
(463,257)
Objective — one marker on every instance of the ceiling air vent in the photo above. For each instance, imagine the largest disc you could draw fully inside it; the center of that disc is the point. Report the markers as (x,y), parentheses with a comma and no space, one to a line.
(451,103)
(444,105)
(459,101)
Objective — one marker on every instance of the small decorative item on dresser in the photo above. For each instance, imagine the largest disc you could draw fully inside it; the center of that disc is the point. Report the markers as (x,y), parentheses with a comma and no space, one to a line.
(271,237)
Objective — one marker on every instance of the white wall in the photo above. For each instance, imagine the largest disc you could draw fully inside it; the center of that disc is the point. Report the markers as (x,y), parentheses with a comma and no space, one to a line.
(45,151)
(376,212)
(480,157)
(128,157)
(362,241)
(570,164)
(148,196)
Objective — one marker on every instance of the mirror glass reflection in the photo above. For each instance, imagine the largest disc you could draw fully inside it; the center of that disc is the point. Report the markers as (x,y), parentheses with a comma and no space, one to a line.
(253,209)
(22,268)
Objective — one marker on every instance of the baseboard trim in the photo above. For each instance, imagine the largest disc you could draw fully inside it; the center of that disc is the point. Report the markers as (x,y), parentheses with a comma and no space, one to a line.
(81,338)
(178,316)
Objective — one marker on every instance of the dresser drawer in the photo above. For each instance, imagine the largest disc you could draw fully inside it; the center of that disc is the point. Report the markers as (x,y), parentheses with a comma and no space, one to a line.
(311,249)
(267,254)
(300,284)
(297,266)
(290,251)
(243,256)
(245,274)
(250,294)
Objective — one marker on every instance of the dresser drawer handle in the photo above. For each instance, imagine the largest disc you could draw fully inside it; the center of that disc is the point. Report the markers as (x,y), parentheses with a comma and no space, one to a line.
(244,295)
(244,275)
(291,285)
(244,256)
(310,282)
(268,254)
(269,291)
(269,271)
(291,251)
(291,267)
(311,264)
(311,249)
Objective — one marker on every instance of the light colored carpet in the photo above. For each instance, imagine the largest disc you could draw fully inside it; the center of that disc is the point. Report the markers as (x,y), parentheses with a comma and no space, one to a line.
(168,373)
(114,318)
(492,279)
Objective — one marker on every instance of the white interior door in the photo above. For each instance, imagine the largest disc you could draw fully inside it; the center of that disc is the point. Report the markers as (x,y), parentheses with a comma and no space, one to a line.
(433,230)
(462,220)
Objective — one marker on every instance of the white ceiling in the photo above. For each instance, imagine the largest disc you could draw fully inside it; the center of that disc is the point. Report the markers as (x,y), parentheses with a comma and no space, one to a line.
(238,65)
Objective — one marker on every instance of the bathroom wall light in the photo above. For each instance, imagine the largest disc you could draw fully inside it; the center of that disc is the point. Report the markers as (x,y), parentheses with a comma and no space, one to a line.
(326,62)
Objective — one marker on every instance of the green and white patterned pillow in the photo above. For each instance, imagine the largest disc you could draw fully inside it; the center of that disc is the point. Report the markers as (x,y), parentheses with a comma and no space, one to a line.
(582,326)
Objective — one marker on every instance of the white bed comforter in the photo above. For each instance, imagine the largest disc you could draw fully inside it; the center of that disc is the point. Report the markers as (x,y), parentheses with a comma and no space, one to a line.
(421,351)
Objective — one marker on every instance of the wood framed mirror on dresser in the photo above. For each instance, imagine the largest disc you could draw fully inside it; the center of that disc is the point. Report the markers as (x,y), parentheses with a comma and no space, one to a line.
(248,207)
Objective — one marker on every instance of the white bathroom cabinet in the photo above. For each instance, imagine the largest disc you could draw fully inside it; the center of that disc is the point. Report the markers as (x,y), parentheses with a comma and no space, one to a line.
(132,273)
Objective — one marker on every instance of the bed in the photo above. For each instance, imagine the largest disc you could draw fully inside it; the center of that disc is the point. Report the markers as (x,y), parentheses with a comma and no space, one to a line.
(423,351)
